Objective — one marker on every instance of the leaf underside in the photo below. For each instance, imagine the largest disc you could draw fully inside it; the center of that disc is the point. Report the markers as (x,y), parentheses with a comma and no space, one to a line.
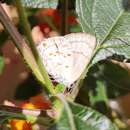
(109,21)
(77,117)
(40,3)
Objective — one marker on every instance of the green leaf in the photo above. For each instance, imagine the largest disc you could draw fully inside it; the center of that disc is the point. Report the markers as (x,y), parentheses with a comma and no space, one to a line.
(100,95)
(75,28)
(84,11)
(77,117)
(109,20)
(112,28)
(59,88)
(40,3)
(113,76)
(92,118)
(1,64)
(111,47)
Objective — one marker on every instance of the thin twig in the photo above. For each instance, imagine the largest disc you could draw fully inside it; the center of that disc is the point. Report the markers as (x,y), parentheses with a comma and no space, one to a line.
(19,41)
(64,19)
(27,31)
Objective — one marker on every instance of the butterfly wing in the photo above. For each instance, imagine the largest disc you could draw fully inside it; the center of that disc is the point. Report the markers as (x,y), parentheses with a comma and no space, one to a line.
(82,46)
(57,58)
(65,58)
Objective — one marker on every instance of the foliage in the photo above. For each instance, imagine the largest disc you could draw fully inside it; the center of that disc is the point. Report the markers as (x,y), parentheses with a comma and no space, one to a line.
(77,117)
(114,78)
(109,22)
(1,64)
(40,3)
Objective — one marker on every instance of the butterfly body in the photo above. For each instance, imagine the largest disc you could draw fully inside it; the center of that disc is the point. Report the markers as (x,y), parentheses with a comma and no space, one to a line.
(65,57)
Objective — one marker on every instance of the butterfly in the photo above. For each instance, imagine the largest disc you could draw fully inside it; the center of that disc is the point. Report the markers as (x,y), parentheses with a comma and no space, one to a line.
(65,57)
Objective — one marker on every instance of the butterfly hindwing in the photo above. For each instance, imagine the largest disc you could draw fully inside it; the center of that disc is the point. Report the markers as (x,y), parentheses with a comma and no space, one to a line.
(82,46)
(65,57)
(57,58)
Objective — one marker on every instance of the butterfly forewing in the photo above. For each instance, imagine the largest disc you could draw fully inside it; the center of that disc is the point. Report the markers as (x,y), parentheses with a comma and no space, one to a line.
(65,58)
(82,46)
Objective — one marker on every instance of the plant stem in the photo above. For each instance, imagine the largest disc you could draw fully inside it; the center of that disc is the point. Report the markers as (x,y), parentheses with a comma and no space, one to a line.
(19,41)
(27,32)
(64,19)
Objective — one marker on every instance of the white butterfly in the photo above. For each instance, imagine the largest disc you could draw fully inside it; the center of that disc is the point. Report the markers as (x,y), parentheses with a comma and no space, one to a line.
(65,57)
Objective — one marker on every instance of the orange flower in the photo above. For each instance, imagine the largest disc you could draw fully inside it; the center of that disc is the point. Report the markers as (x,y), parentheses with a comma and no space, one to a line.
(40,102)
(36,102)
(72,20)
(48,12)
(20,125)
(43,27)
(27,105)
(56,17)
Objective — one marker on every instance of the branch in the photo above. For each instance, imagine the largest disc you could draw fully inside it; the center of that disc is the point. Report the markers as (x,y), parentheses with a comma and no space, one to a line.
(64,22)
(27,31)
(18,40)
(19,43)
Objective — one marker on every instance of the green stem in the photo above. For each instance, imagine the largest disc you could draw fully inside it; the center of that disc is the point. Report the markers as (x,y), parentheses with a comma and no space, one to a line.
(27,32)
(64,20)
(19,42)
